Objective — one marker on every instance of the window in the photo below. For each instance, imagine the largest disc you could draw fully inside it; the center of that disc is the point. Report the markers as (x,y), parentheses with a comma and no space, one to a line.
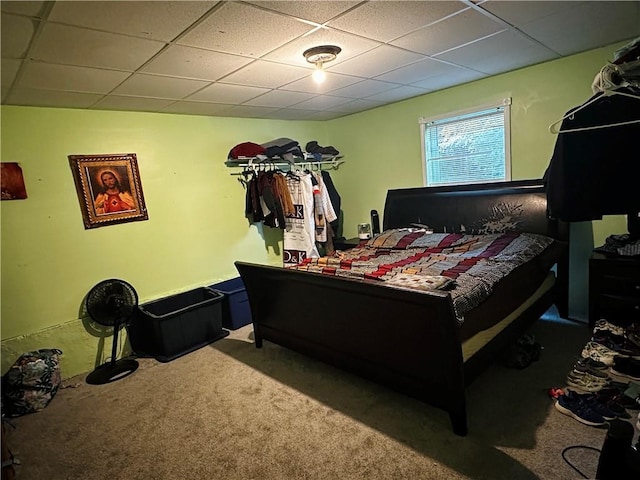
(467,147)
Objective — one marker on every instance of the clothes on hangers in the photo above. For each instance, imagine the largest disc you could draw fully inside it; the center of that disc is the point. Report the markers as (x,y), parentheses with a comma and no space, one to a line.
(596,171)
(299,233)
(298,202)
(335,199)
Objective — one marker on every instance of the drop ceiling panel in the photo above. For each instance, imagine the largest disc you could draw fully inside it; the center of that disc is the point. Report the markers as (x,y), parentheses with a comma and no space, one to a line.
(139,104)
(363,89)
(334,81)
(456,76)
(459,29)
(586,26)
(16,35)
(244,30)
(279,98)
(229,94)
(324,102)
(397,94)
(79,46)
(376,62)
(195,63)
(356,106)
(499,53)
(267,74)
(65,77)
(157,86)
(418,71)
(318,12)
(520,13)
(385,21)
(151,20)
(31,8)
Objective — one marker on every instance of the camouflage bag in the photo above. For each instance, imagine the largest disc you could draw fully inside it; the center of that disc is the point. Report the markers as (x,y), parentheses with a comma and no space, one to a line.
(31,382)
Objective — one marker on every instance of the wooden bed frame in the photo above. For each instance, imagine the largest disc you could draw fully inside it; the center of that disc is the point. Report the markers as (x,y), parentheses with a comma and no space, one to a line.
(404,339)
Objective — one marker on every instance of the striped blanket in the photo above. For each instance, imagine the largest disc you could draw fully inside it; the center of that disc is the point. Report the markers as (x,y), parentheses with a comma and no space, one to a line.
(466,266)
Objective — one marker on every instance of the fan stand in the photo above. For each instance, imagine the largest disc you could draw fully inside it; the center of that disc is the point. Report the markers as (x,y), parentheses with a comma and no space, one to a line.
(114,369)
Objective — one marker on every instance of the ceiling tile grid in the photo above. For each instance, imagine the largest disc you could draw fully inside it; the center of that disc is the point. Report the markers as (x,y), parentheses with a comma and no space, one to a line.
(244,58)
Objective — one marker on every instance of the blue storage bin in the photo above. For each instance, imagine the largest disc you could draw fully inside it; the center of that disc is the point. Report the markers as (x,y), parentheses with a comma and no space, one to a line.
(236,311)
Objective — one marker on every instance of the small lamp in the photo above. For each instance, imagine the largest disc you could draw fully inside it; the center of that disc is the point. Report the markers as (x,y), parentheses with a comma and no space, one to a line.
(319,56)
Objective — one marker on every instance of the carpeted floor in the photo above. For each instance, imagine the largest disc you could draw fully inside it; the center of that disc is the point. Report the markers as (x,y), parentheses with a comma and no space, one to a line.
(231,411)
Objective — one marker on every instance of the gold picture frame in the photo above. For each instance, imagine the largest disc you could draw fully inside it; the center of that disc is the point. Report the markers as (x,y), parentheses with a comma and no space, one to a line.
(109,189)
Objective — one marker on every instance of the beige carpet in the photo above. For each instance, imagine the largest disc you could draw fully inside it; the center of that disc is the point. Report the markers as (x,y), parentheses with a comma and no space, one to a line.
(231,411)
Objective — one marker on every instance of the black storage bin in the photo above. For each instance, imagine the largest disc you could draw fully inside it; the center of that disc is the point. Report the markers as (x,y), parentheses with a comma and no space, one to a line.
(173,326)
(236,311)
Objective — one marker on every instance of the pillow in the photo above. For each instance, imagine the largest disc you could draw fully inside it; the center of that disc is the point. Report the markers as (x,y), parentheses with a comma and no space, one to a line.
(404,238)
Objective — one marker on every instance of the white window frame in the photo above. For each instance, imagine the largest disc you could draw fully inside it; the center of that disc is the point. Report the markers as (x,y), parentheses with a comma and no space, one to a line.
(505,104)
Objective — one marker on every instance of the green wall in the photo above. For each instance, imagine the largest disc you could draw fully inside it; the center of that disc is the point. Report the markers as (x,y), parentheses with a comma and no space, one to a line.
(196,227)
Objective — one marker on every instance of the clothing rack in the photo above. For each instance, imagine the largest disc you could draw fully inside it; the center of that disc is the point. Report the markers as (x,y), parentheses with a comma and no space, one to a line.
(308,163)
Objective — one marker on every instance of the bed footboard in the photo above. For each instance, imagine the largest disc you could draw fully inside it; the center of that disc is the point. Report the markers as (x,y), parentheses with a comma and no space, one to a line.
(403,339)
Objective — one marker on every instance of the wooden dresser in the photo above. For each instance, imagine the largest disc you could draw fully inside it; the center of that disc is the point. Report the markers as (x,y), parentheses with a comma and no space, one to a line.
(614,288)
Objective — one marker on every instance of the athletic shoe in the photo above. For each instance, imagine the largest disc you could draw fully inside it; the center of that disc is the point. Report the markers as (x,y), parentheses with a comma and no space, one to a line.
(591,363)
(626,367)
(599,352)
(602,324)
(633,338)
(592,402)
(578,368)
(617,343)
(616,401)
(574,407)
(585,382)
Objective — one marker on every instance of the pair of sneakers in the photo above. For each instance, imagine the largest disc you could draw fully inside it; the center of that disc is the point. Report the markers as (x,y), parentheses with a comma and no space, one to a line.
(585,408)
(587,382)
(598,352)
(618,343)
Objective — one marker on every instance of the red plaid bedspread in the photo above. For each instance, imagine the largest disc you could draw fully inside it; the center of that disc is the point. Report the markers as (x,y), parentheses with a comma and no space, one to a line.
(467,266)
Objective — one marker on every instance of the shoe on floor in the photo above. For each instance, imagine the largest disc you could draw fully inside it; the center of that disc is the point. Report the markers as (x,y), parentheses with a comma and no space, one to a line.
(596,405)
(626,367)
(602,324)
(599,353)
(573,406)
(586,382)
(591,363)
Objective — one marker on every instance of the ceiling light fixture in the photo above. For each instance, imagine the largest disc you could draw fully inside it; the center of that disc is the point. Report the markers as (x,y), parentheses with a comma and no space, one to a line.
(319,56)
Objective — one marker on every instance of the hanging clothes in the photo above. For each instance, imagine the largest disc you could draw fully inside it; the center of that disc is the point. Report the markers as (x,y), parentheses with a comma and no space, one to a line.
(596,171)
(299,233)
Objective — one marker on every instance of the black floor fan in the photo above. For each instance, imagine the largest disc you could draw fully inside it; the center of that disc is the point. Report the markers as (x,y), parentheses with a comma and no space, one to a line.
(112,303)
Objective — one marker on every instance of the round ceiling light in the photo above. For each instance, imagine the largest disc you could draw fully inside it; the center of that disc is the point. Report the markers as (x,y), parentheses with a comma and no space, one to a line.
(322,54)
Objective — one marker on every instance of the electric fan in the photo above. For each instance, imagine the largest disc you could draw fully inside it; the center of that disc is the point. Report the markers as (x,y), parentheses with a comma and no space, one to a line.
(111,303)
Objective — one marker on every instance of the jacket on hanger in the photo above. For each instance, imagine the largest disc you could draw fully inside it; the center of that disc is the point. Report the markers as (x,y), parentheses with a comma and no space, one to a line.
(596,172)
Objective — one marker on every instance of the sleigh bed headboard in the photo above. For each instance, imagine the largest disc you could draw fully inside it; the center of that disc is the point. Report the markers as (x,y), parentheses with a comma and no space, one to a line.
(518,205)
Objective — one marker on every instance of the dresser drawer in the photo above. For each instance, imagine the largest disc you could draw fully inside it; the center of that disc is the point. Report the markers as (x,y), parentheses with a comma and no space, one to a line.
(626,308)
(620,285)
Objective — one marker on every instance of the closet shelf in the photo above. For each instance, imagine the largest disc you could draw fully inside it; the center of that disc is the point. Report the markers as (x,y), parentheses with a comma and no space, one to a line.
(309,160)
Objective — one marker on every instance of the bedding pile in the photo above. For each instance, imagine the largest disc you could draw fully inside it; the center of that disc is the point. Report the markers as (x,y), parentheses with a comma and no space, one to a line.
(466,266)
